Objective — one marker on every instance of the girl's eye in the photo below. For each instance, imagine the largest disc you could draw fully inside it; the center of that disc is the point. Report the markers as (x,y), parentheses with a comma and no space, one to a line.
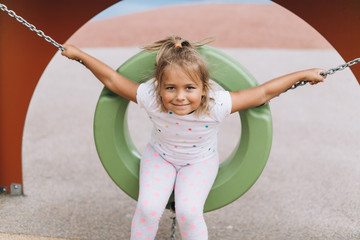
(190,88)
(170,88)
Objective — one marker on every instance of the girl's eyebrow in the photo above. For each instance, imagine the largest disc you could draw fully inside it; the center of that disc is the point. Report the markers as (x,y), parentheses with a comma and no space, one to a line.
(194,85)
(173,84)
(168,84)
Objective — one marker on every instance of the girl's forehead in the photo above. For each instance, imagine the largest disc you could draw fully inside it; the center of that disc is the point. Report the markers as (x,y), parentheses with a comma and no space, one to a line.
(179,81)
(179,75)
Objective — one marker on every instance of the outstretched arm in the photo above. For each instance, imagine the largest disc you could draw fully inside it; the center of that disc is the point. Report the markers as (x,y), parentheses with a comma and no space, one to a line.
(109,77)
(256,96)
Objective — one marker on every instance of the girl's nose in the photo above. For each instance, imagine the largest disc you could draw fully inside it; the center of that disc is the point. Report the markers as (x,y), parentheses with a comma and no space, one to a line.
(180,96)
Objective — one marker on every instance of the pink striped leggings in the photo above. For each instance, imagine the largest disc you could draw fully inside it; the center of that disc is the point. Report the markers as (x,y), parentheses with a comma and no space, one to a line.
(191,184)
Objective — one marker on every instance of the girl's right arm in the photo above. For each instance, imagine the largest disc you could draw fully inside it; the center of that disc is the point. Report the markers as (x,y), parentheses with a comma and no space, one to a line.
(109,77)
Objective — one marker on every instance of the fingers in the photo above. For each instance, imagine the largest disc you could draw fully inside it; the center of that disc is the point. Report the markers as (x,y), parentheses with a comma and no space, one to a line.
(322,73)
(70,51)
(317,76)
(64,53)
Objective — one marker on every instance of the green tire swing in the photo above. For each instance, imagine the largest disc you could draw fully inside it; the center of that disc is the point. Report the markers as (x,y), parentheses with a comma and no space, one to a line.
(237,173)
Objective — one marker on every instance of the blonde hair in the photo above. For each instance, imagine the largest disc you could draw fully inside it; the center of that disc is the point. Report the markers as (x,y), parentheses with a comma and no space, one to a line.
(177,51)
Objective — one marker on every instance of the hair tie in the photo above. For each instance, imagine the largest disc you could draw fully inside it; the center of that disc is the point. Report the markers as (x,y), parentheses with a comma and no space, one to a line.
(177,45)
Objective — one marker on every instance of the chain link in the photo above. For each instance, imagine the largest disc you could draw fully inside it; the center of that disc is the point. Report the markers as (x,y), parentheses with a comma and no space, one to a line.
(31,27)
(173,227)
(341,67)
(328,72)
(300,83)
(173,218)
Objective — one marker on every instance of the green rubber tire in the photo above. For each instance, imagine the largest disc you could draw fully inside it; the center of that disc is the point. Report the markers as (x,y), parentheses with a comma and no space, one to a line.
(237,173)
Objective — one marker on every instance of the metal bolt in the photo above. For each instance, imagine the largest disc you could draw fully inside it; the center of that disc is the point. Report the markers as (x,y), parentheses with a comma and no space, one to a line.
(15,189)
(3,189)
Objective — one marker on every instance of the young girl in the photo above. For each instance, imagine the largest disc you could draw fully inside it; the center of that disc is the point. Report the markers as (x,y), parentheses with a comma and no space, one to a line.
(182,153)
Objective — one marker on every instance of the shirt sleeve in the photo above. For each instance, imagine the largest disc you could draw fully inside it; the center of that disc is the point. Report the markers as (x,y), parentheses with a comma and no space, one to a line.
(222,107)
(145,95)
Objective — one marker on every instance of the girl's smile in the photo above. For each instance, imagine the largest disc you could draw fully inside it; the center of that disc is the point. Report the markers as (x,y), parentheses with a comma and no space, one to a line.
(179,93)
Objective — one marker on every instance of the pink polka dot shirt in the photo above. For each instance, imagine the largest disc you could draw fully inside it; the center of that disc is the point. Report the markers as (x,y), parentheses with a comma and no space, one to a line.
(184,139)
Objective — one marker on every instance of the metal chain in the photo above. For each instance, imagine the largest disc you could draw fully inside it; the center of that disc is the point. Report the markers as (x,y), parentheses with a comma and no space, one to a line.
(173,225)
(341,67)
(31,27)
(300,83)
(328,72)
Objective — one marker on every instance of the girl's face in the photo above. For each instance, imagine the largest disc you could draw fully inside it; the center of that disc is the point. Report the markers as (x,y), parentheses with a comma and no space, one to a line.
(179,93)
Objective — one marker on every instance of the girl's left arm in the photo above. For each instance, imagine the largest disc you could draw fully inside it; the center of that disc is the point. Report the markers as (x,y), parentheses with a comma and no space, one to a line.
(263,93)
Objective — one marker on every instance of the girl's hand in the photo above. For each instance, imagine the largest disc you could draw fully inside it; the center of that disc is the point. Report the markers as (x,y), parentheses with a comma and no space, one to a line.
(71,52)
(313,75)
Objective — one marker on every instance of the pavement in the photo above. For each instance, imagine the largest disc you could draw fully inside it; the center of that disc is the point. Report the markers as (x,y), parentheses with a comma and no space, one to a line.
(310,188)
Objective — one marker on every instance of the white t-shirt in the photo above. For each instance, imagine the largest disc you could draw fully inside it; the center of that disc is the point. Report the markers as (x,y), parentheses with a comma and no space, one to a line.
(184,139)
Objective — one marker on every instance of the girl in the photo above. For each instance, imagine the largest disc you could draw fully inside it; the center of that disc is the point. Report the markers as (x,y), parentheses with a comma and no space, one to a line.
(182,153)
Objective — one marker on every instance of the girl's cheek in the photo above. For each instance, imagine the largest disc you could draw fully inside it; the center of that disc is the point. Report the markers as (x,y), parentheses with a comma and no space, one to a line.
(166,98)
